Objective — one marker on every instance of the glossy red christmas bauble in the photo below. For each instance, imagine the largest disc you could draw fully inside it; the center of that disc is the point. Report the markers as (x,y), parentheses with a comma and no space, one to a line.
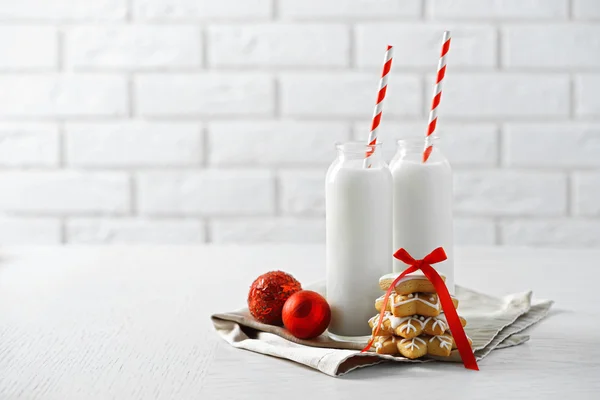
(306,314)
(268,294)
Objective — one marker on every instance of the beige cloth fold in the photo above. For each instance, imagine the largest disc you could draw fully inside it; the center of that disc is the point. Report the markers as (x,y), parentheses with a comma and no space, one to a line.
(492,323)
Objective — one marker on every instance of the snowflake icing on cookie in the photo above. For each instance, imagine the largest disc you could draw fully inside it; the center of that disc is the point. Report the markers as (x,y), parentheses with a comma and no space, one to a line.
(445,341)
(438,321)
(409,324)
(395,322)
(410,344)
(398,300)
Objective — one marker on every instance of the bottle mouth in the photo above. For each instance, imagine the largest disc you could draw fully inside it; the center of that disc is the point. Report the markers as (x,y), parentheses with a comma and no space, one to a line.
(357,147)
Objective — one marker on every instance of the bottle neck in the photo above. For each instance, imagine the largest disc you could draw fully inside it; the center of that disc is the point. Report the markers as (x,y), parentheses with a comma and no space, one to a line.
(412,149)
(359,154)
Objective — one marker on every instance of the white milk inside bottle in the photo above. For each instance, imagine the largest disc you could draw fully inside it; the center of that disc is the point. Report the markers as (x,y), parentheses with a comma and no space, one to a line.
(423,205)
(359,237)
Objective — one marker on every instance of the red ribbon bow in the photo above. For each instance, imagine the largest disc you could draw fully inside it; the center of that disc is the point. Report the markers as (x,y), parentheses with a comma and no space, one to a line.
(436,256)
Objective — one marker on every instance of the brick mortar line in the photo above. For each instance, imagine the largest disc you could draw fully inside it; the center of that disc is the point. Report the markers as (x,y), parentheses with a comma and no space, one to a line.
(207,229)
(66,214)
(572,97)
(230,218)
(499,44)
(498,239)
(178,216)
(249,21)
(133,194)
(63,231)
(60,49)
(273,70)
(277,193)
(109,217)
(277,98)
(352,45)
(569,201)
(457,166)
(526,217)
(570,10)
(62,145)
(406,119)
(425,15)
(131,109)
(425,19)
(129,17)
(206,145)
(501,146)
(311,167)
(204,43)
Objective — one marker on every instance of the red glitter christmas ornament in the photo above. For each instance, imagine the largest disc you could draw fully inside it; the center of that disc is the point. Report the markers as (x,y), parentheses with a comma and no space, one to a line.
(268,294)
(306,314)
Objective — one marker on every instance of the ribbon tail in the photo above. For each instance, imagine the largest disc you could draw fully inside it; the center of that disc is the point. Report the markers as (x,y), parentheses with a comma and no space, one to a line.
(384,305)
(462,343)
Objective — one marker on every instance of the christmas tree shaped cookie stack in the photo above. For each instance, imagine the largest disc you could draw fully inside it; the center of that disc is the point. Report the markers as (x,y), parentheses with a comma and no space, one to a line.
(413,323)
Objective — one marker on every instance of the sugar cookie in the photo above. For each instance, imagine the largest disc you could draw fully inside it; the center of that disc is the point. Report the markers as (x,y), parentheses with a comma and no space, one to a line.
(385,345)
(412,348)
(388,324)
(406,327)
(411,283)
(439,325)
(439,345)
(425,304)
(410,327)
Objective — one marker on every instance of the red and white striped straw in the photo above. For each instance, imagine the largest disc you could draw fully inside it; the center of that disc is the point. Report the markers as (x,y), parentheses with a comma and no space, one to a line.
(387,65)
(437,96)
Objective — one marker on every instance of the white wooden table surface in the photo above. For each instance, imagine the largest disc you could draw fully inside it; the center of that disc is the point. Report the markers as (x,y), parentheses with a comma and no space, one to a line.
(133,323)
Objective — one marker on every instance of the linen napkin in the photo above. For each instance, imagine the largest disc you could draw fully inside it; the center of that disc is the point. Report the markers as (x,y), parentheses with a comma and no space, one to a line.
(492,323)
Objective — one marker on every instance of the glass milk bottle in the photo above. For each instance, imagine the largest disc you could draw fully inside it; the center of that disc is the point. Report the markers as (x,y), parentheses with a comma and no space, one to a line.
(423,204)
(359,237)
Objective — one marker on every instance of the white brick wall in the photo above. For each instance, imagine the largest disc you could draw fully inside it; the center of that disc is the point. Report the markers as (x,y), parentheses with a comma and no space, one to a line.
(63,10)
(586,193)
(586,9)
(190,121)
(28,47)
(132,47)
(133,144)
(128,230)
(579,46)
(570,144)
(279,45)
(349,9)
(62,95)
(587,103)
(64,192)
(500,96)
(346,95)
(36,230)
(200,10)
(301,192)
(502,10)
(286,143)
(204,95)
(506,193)
(29,144)
(280,230)
(472,46)
(207,193)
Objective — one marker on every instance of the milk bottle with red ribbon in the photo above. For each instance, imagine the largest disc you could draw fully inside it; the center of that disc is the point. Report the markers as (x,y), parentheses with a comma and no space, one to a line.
(423,204)
(359,236)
